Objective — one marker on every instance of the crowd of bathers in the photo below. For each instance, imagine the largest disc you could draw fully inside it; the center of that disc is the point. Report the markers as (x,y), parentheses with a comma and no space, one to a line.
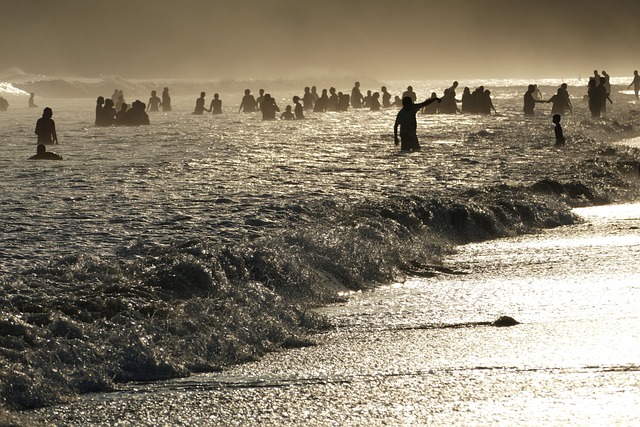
(115,111)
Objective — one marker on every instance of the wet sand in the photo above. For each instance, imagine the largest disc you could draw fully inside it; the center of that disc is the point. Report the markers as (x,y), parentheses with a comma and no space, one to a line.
(410,354)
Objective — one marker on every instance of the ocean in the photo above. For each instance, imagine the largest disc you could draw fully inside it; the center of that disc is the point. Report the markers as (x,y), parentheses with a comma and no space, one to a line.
(198,243)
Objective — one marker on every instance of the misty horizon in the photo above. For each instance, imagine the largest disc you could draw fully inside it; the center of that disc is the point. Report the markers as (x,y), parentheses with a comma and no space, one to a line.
(198,39)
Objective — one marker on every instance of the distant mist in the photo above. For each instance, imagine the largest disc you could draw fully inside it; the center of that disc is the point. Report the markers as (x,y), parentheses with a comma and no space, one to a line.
(258,39)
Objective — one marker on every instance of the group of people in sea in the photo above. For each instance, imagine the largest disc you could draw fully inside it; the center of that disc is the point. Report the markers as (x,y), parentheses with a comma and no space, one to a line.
(110,112)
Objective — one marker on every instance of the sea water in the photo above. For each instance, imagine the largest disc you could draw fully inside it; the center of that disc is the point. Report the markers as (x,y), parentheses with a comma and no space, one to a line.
(194,243)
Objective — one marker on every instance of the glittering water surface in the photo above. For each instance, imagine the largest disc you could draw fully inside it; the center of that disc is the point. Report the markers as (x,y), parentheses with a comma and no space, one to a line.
(193,244)
(410,354)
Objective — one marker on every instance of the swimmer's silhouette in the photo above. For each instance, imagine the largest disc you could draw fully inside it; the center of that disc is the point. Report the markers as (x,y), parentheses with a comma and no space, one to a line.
(386,97)
(356,96)
(298,109)
(32,102)
(260,99)
(559,102)
(635,83)
(46,128)
(411,94)
(406,120)
(374,103)
(248,103)
(154,102)
(136,115)
(322,103)
(121,116)
(307,99)
(166,100)
(43,154)
(467,101)
(287,114)
(558,130)
(366,101)
(595,98)
(269,108)
(108,113)
(343,101)
(4,104)
(332,104)
(530,101)
(433,107)
(567,98)
(216,104)
(200,102)
(100,111)
(604,96)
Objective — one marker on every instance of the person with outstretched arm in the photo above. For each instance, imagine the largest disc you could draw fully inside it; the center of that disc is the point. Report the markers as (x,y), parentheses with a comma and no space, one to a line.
(406,120)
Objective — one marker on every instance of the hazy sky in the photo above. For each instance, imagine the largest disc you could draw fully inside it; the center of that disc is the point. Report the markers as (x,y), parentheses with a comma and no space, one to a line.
(415,39)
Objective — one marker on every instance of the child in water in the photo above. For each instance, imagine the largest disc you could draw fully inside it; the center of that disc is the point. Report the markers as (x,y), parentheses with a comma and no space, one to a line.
(46,128)
(287,115)
(559,135)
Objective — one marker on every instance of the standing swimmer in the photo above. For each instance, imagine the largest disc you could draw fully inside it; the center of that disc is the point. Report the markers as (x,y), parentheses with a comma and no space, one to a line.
(46,128)
(558,130)
(406,119)
(635,83)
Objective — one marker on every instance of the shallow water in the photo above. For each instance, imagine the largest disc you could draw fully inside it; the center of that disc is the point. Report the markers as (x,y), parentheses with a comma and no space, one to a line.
(409,354)
(198,242)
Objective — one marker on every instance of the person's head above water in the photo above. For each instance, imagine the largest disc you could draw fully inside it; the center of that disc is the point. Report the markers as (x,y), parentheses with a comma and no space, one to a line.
(47,113)
(407,101)
(247,91)
(556,118)
(202,94)
(41,149)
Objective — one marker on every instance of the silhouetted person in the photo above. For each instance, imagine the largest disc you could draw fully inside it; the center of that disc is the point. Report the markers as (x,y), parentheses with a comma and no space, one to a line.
(32,102)
(216,104)
(558,130)
(260,99)
(334,101)
(635,83)
(46,128)
(307,99)
(374,104)
(595,98)
(559,102)
(120,101)
(343,101)
(603,95)
(99,111)
(433,107)
(43,154)
(410,93)
(154,102)
(530,101)
(607,82)
(248,103)
(322,103)
(596,77)
(121,116)
(486,104)
(448,103)
(397,102)
(567,99)
(4,104)
(366,101)
(166,100)
(356,96)
(406,120)
(114,96)
(386,97)
(453,87)
(314,94)
(537,95)
(200,105)
(108,113)
(287,114)
(269,108)
(136,115)
(298,109)
(467,102)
